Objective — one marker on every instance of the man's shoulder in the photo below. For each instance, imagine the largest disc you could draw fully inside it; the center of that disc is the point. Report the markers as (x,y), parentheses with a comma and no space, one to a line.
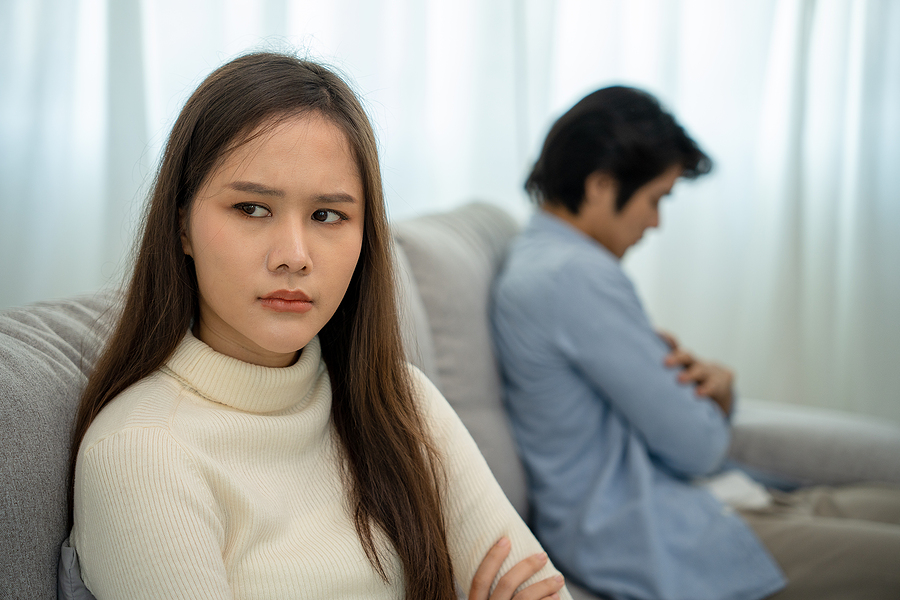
(557,260)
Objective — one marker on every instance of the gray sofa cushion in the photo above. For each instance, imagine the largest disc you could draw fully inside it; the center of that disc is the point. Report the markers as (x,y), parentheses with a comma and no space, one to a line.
(811,445)
(414,327)
(45,351)
(70,586)
(454,257)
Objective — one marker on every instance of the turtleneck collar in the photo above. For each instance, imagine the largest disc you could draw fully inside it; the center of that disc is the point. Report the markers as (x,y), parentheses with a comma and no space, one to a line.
(242,385)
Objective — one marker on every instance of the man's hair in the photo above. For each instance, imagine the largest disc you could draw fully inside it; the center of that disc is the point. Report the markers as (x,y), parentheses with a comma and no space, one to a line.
(620,131)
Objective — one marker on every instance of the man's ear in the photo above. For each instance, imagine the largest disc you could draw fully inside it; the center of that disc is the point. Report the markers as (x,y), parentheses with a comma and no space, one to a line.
(600,189)
(183,226)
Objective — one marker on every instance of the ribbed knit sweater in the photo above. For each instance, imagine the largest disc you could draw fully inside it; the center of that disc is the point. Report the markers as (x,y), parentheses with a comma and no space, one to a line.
(216,478)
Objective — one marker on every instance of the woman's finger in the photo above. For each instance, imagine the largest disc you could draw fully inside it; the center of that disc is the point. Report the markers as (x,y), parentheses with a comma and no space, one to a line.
(545,589)
(516,576)
(488,569)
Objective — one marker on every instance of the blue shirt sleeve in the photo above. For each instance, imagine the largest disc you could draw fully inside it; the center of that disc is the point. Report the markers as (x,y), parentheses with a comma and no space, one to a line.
(604,333)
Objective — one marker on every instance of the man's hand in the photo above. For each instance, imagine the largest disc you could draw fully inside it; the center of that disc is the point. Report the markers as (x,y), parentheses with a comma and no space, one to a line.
(710,380)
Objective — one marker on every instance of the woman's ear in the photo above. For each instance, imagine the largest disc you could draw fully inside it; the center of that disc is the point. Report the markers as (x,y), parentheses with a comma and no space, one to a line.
(185,237)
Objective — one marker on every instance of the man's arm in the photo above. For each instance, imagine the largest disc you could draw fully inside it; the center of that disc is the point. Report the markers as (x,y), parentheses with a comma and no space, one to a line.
(710,380)
(608,338)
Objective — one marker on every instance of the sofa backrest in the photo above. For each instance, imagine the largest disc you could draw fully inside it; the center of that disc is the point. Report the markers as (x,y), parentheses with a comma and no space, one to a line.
(453,257)
(46,350)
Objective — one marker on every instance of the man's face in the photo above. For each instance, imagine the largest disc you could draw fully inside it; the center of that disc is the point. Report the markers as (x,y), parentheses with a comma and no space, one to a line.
(620,230)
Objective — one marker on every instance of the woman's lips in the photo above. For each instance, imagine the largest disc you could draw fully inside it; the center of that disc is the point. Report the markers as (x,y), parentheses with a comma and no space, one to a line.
(287,301)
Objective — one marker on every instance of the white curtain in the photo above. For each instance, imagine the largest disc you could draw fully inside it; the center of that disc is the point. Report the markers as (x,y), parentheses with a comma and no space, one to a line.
(784,263)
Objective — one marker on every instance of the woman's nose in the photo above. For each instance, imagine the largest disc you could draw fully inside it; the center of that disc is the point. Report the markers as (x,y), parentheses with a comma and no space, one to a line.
(289,250)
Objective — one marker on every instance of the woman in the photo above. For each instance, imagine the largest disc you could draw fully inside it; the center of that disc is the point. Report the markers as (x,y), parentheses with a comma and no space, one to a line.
(252,430)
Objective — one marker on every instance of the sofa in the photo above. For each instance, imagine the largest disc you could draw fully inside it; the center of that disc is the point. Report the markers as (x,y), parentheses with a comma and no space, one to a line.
(446,264)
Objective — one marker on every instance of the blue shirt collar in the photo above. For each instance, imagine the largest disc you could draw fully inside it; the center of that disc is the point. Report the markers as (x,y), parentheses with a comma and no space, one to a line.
(544,222)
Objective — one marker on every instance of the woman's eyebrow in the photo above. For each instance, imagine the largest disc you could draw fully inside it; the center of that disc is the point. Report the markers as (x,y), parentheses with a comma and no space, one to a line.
(263,190)
(338,197)
(255,188)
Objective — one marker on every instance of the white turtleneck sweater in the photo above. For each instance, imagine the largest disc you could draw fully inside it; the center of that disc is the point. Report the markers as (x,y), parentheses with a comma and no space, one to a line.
(216,478)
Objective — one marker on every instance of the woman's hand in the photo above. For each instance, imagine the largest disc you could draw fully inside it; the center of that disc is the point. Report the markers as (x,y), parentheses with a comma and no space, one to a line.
(519,574)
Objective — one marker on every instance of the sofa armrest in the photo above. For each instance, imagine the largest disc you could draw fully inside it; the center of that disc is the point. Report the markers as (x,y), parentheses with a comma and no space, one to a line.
(810,445)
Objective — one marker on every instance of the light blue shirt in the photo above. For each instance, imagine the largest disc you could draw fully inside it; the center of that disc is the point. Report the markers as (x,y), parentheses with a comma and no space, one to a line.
(609,438)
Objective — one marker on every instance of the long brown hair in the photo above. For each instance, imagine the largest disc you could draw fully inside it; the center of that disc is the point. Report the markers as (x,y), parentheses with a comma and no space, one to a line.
(392,471)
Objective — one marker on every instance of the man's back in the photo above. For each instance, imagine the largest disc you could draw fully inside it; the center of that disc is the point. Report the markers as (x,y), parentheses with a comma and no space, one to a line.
(609,438)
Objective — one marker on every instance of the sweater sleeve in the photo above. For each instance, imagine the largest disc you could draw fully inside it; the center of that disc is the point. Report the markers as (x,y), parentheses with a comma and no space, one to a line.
(147,525)
(477,511)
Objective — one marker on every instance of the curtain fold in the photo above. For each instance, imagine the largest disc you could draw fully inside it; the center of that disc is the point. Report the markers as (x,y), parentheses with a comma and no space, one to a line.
(812,286)
(783,263)
(51,149)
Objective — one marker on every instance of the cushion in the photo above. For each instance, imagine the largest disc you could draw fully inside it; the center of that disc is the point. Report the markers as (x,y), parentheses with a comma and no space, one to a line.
(814,446)
(453,258)
(414,328)
(46,349)
(70,586)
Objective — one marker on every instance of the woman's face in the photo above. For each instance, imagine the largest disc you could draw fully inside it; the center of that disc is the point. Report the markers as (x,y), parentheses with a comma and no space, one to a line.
(275,233)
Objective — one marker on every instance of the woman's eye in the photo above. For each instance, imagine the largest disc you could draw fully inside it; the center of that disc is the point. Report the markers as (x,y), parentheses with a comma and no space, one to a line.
(253,210)
(327,216)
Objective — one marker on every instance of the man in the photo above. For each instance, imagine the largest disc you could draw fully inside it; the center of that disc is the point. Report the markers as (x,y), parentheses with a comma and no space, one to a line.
(616,423)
